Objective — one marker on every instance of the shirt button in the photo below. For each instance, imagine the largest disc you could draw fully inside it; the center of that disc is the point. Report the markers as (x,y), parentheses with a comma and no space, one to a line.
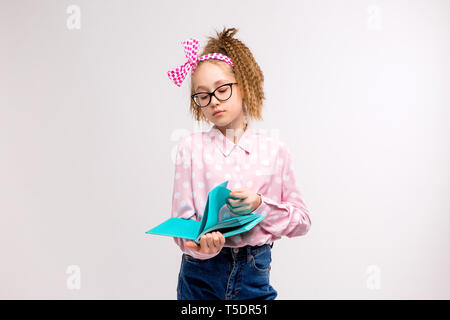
(236,250)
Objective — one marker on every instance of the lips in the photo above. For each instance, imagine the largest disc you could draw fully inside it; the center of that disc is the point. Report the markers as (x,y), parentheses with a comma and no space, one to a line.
(218,112)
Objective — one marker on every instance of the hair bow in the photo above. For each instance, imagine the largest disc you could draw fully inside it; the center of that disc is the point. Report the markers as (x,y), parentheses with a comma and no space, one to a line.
(191,46)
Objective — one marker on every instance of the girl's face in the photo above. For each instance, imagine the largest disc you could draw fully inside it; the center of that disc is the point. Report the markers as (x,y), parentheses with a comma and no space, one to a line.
(209,76)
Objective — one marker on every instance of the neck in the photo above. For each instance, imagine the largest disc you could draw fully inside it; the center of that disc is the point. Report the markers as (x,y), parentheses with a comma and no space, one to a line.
(233,133)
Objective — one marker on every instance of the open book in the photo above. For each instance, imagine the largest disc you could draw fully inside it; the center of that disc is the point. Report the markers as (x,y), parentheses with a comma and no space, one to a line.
(215,218)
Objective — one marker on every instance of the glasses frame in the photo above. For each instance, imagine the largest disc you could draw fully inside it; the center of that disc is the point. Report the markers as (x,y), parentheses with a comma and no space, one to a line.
(213,94)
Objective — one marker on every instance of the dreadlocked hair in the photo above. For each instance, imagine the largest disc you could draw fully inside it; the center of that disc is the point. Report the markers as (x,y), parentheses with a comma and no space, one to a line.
(246,71)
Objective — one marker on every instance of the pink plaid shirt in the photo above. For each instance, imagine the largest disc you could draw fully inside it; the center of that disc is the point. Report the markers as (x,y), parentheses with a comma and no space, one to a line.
(258,162)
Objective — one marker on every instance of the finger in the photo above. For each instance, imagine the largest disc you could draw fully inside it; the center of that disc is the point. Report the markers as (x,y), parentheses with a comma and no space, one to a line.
(237,194)
(237,209)
(216,240)
(204,244)
(230,208)
(243,210)
(229,203)
(221,238)
(236,203)
(209,239)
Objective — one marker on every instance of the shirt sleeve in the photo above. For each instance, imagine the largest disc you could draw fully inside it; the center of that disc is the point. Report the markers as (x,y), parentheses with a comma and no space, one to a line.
(182,196)
(290,217)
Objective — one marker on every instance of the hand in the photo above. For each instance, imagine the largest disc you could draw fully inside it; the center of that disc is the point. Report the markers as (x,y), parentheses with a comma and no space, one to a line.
(245,201)
(209,243)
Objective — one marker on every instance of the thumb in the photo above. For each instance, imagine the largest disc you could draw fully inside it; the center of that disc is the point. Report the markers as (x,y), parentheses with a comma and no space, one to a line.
(193,245)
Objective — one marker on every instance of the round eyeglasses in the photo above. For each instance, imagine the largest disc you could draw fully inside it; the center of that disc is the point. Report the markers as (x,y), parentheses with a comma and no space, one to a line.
(222,93)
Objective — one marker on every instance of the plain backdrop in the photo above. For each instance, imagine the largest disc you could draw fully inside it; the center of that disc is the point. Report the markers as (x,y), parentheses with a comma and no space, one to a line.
(89,120)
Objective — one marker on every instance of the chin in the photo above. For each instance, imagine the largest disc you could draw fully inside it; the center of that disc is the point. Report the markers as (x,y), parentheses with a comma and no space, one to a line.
(217,120)
(220,122)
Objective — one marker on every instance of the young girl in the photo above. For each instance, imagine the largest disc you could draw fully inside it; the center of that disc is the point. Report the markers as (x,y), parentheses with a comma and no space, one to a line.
(227,90)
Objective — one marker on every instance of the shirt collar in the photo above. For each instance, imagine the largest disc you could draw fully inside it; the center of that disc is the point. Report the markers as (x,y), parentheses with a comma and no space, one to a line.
(226,145)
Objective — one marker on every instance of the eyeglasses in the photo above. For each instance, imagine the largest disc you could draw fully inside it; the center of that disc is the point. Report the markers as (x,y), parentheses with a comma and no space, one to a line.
(222,93)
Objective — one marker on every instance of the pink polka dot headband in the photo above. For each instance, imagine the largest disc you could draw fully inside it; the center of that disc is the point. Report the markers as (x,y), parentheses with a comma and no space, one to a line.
(178,74)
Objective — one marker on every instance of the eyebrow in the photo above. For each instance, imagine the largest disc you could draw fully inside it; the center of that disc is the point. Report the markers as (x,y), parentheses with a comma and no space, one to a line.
(215,83)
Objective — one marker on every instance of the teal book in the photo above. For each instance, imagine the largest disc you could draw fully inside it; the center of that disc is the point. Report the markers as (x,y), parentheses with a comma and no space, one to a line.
(213,219)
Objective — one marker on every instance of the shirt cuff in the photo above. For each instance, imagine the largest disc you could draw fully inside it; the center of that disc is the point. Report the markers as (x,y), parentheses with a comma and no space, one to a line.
(263,208)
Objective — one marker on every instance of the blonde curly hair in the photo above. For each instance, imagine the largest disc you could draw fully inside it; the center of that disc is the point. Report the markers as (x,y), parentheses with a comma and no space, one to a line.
(246,71)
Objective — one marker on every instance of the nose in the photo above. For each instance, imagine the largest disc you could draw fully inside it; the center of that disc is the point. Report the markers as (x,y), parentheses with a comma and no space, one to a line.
(213,97)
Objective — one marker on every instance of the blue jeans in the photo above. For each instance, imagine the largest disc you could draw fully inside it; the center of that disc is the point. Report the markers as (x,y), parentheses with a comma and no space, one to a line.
(233,274)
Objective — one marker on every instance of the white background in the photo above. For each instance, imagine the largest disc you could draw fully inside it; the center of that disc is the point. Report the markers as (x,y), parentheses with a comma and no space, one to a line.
(359,90)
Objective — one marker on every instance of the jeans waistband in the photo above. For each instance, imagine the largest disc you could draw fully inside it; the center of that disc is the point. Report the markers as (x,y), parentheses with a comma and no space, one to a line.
(246,250)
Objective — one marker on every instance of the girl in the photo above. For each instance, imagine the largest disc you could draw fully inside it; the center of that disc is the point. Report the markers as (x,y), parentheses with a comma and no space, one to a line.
(227,90)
